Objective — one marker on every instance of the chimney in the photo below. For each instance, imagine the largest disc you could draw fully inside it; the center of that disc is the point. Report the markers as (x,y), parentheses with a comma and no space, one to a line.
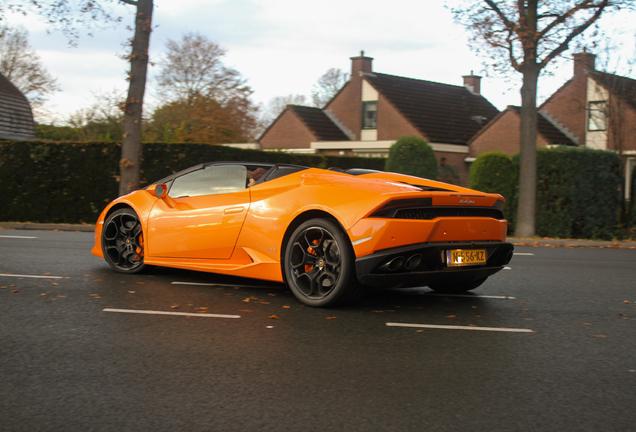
(473,83)
(583,62)
(361,64)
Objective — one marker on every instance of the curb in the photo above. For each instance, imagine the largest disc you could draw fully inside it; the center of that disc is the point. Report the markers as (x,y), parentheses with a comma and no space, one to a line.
(46,227)
(545,242)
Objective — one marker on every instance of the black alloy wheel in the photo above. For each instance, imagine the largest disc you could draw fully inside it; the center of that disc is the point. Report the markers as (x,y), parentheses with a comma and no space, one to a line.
(320,265)
(123,241)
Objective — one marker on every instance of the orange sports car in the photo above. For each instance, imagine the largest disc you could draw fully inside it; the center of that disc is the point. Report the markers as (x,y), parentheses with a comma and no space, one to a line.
(328,234)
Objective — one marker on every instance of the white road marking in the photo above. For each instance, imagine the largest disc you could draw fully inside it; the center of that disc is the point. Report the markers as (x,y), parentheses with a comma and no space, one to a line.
(30,276)
(520,253)
(216,284)
(449,327)
(3,236)
(151,312)
(471,296)
(507,268)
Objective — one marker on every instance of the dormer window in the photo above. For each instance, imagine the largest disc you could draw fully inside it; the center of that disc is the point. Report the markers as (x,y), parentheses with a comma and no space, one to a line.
(597,120)
(370,115)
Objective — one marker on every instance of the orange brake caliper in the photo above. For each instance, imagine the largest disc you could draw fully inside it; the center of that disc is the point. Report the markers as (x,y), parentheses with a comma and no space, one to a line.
(309,267)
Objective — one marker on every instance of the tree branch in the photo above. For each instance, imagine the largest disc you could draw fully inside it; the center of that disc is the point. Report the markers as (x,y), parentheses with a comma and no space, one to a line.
(509,24)
(130,2)
(563,17)
(577,31)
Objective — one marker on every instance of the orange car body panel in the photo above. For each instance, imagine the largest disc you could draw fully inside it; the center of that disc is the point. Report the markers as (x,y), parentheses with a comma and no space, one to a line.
(243,233)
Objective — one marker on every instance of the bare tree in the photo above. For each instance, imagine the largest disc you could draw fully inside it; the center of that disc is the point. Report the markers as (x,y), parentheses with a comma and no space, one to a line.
(20,64)
(277,105)
(193,67)
(130,163)
(327,86)
(67,16)
(527,35)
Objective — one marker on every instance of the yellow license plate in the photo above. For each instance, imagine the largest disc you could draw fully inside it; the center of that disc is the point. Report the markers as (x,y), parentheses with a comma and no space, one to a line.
(465,257)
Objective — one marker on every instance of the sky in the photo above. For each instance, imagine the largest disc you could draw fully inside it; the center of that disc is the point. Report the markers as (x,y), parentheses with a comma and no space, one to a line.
(282,47)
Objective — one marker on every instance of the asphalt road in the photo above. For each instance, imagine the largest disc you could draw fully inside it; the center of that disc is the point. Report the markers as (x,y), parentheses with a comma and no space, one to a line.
(545,345)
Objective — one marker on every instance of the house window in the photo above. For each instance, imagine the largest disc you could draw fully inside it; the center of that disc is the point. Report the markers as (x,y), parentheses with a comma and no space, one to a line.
(369,115)
(597,119)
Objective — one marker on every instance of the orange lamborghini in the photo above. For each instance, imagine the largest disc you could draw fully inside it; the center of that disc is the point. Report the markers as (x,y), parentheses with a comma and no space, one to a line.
(328,234)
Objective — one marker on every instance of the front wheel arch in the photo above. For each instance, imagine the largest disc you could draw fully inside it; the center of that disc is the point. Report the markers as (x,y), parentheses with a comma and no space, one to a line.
(123,240)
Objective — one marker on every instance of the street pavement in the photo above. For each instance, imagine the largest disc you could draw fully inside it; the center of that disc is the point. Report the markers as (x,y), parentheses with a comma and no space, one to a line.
(546,344)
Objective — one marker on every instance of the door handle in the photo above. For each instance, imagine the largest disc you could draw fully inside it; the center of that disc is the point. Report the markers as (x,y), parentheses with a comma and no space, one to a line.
(234,210)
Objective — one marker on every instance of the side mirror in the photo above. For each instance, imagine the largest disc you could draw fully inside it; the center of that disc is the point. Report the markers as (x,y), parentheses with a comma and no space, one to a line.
(160,190)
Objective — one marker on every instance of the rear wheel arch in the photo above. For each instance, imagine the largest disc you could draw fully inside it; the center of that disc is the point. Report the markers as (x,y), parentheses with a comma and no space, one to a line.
(340,271)
(299,220)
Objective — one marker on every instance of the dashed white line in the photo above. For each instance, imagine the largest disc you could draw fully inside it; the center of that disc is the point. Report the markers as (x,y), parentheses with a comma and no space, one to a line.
(31,276)
(151,312)
(507,268)
(471,296)
(24,237)
(449,327)
(216,284)
(523,253)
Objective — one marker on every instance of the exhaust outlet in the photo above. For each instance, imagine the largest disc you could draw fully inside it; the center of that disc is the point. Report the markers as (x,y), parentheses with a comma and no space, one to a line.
(392,265)
(413,262)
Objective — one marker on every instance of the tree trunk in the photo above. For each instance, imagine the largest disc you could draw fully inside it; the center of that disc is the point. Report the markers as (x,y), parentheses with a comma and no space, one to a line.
(525,223)
(130,163)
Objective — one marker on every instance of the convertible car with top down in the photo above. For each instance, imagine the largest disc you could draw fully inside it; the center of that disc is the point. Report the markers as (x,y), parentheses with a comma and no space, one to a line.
(327,234)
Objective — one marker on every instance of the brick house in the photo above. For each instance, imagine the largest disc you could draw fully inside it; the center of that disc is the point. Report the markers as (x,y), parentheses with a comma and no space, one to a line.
(373,110)
(592,109)
(16,117)
(502,134)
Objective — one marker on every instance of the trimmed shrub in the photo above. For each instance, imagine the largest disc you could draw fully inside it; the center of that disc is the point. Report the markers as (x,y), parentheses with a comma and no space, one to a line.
(494,172)
(412,156)
(578,193)
(71,182)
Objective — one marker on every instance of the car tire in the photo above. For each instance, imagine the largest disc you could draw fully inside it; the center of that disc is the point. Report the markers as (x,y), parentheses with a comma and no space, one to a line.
(458,287)
(123,241)
(319,265)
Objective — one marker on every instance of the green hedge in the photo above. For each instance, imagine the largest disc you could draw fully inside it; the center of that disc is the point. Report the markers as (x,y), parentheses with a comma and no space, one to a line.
(494,172)
(578,193)
(70,182)
(413,156)
(577,190)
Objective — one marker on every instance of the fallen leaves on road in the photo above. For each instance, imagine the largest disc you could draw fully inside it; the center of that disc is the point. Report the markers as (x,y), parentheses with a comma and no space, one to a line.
(602,336)
(330,318)
(451,316)
(273,317)
(286,307)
